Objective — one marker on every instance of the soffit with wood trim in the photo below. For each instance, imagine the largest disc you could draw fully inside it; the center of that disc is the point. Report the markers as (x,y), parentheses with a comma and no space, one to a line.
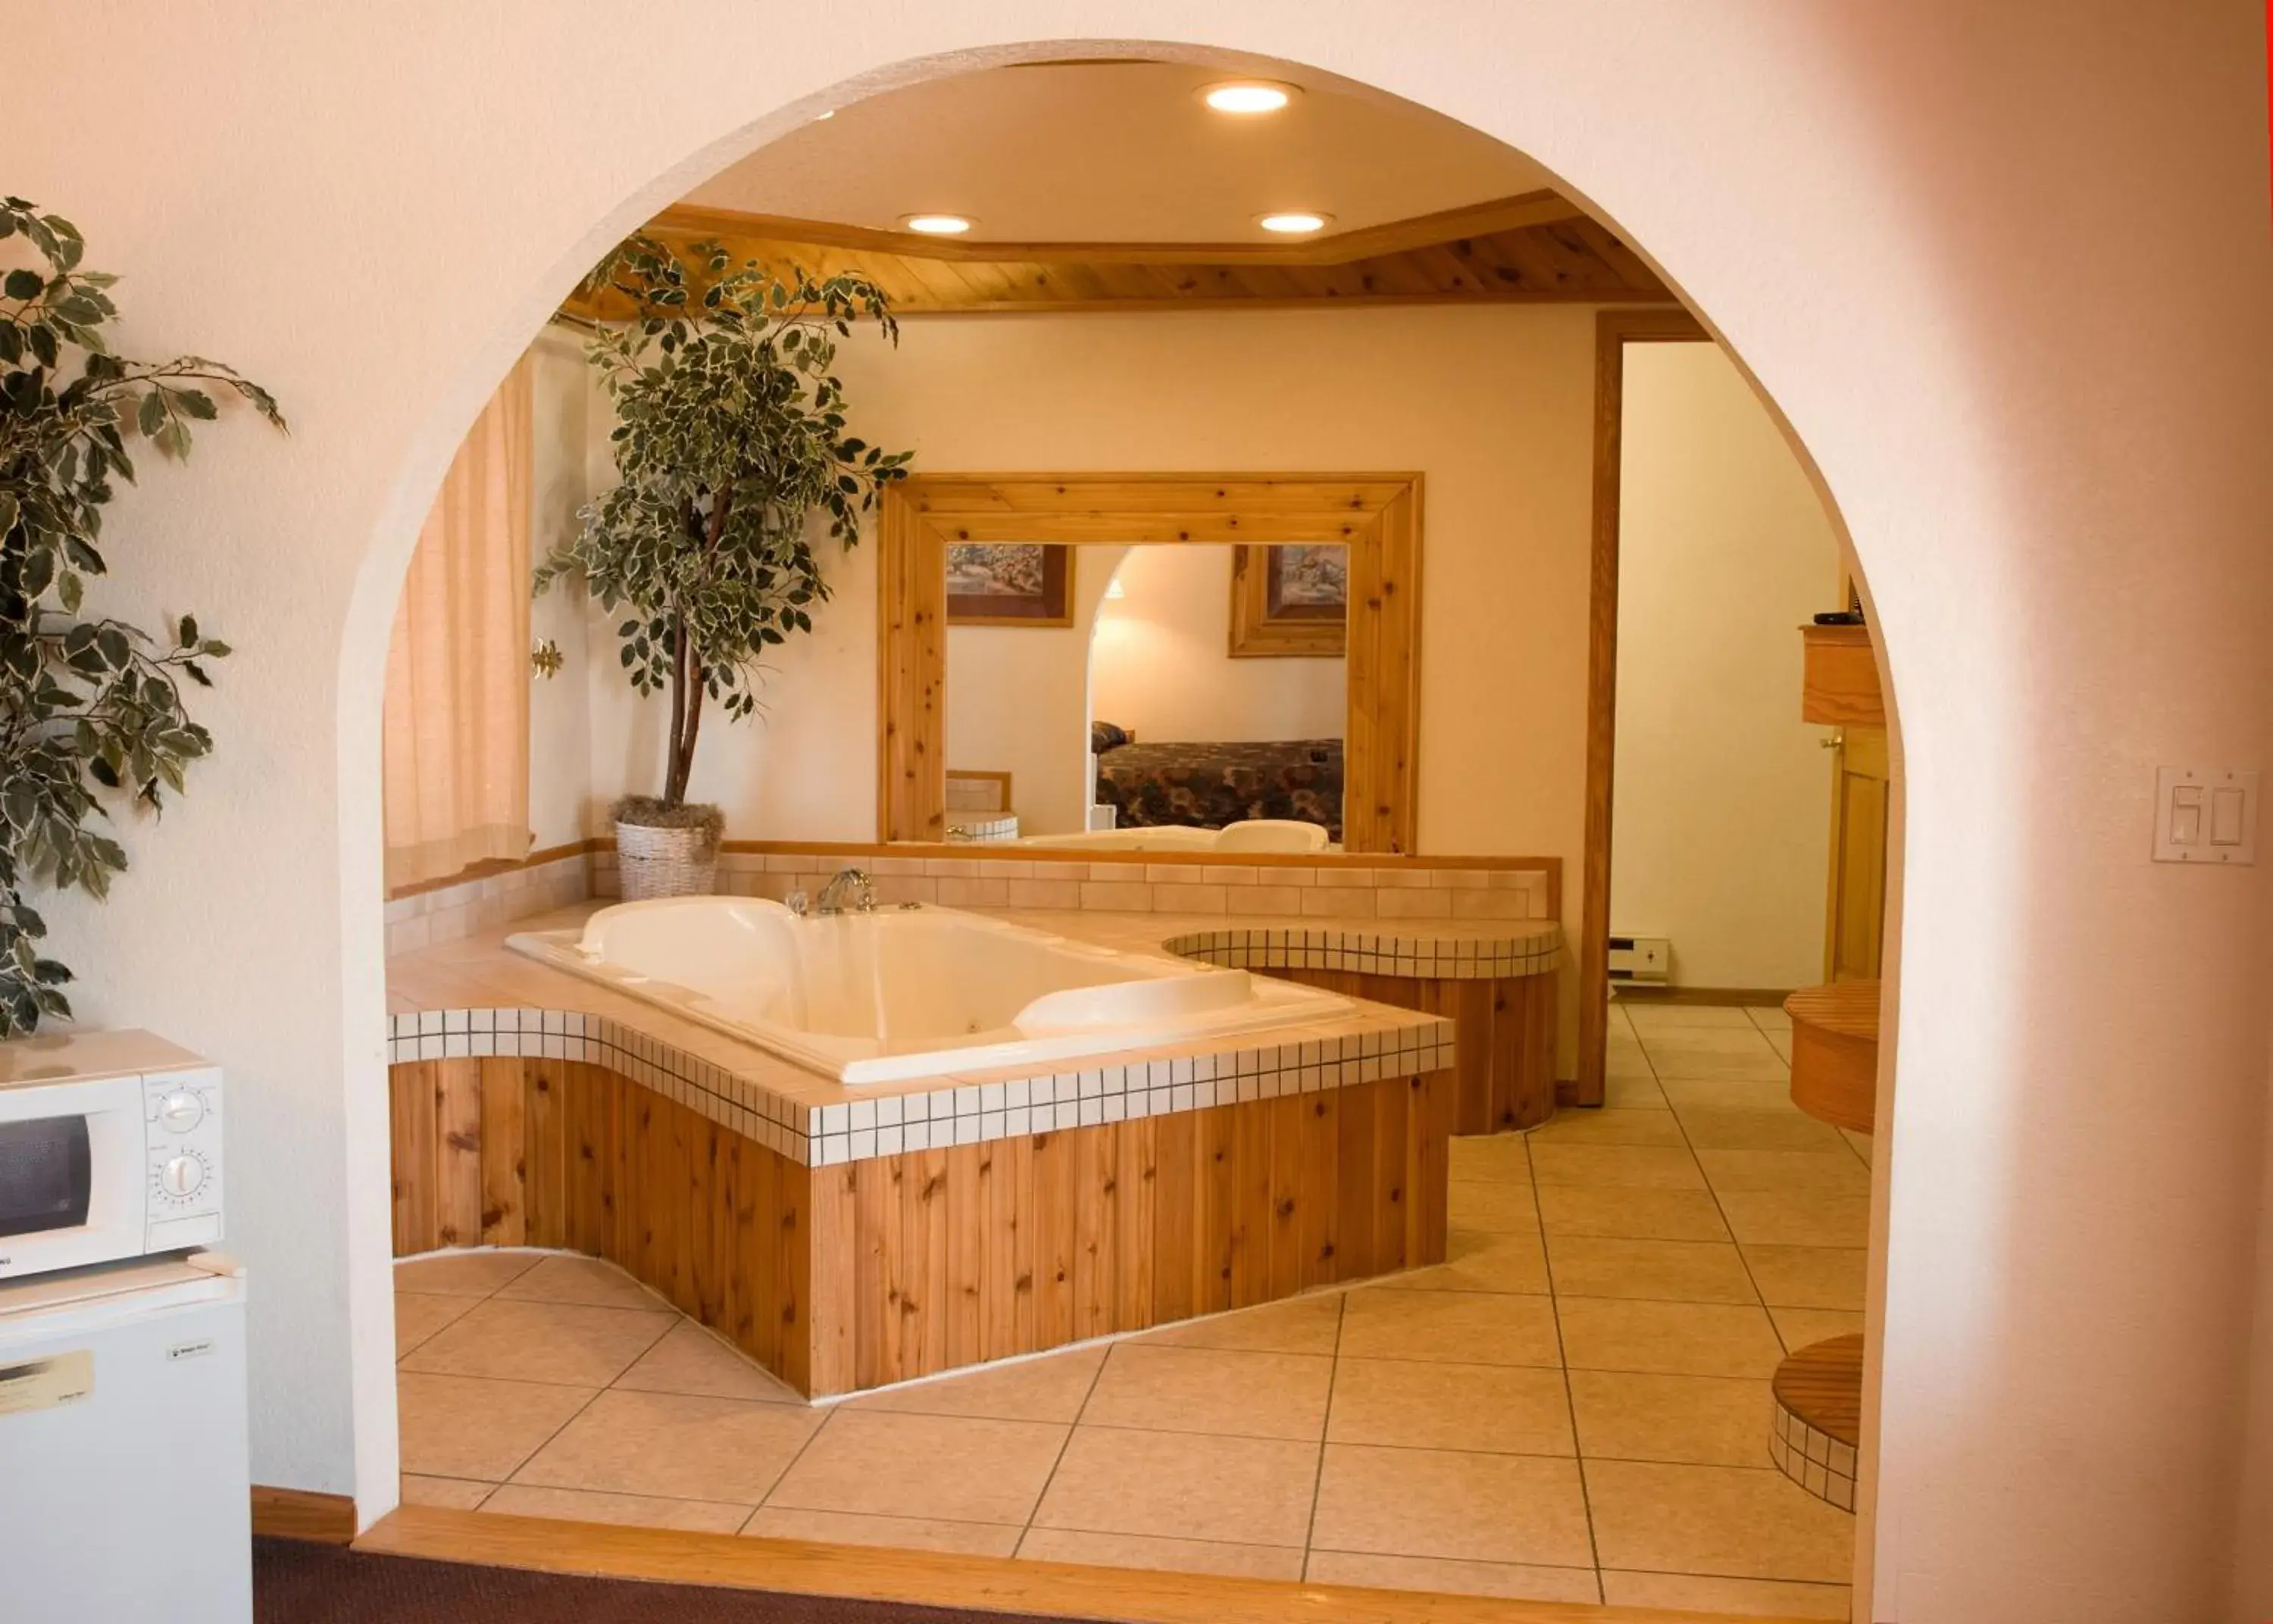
(1107,184)
(1535,248)
(1105,151)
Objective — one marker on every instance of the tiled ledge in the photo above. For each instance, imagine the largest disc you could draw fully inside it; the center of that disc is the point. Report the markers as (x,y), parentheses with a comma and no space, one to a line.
(963,1109)
(1021,877)
(1534,949)
(454,912)
(982,826)
(975,876)
(748,1108)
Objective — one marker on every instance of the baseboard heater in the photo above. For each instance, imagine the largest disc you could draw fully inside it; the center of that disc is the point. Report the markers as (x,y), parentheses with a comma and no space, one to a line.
(1646,960)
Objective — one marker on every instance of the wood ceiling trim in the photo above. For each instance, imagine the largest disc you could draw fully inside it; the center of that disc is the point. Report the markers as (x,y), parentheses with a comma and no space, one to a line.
(1530,208)
(1533,249)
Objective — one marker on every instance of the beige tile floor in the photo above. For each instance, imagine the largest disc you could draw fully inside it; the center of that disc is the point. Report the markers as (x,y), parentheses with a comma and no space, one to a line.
(1574,1407)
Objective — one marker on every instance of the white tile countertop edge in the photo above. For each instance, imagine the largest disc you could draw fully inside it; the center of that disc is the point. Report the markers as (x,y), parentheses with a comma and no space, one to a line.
(473,998)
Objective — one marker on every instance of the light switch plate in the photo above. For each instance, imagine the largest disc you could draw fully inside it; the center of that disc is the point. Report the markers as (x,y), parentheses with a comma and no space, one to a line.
(2205,814)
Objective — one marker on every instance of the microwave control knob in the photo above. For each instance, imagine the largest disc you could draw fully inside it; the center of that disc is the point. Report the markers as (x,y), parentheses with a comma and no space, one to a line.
(180,1112)
(182,1176)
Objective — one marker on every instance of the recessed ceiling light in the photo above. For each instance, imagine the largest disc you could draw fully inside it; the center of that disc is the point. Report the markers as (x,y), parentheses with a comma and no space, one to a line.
(937,225)
(1294,222)
(1249,96)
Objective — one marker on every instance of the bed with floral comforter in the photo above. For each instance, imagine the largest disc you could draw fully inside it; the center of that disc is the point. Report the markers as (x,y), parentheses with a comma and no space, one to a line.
(1206,785)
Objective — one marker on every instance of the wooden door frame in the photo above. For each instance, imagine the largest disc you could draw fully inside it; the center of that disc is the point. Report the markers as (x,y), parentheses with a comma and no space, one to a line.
(1614,330)
(1377,516)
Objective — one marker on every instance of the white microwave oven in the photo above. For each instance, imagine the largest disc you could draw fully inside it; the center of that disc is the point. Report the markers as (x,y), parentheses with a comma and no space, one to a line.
(110,1147)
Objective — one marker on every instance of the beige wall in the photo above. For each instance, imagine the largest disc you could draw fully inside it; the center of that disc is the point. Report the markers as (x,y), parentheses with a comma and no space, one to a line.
(559,708)
(1722,807)
(1501,433)
(1161,664)
(2056,482)
(2252,1567)
(1015,704)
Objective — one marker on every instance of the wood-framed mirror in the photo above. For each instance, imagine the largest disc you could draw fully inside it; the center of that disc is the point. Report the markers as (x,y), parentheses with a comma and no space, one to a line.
(1376,517)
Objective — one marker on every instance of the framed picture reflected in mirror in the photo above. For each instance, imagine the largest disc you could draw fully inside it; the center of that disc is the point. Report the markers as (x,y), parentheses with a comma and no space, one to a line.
(1290,600)
(1009,584)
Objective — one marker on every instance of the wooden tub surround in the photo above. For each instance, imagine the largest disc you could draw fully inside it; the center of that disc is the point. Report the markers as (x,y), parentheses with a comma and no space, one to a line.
(848,1239)
(1497,989)
(871,1272)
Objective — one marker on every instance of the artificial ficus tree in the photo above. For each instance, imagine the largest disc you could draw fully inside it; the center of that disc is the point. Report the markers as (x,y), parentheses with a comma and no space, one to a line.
(731,442)
(91,706)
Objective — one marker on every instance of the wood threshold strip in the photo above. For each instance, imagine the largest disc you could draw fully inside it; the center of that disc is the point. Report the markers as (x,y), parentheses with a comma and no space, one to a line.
(303,1514)
(913,1578)
(1648,995)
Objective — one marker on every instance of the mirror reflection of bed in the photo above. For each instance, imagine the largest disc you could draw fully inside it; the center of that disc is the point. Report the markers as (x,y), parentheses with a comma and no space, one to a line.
(1172,697)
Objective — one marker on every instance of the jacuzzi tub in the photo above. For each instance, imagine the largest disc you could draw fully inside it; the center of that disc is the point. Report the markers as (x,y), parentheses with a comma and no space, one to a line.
(908,992)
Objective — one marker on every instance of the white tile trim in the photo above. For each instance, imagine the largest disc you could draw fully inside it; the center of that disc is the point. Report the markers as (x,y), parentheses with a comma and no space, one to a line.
(1535,951)
(966,1112)
(1811,1458)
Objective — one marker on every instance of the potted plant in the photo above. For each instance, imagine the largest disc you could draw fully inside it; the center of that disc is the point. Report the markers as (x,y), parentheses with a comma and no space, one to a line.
(730,447)
(90,706)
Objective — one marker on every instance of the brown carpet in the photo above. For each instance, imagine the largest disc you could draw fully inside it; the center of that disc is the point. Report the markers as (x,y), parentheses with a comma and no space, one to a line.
(296,1582)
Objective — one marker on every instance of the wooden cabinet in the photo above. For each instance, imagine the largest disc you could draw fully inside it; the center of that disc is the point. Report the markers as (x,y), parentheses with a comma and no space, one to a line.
(1855,920)
(1839,686)
(1838,678)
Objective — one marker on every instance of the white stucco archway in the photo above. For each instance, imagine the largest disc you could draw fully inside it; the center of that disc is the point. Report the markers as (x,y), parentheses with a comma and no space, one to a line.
(1901,217)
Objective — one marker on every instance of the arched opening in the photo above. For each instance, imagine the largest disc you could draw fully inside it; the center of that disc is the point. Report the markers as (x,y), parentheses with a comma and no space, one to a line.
(2049,477)
(1451,627)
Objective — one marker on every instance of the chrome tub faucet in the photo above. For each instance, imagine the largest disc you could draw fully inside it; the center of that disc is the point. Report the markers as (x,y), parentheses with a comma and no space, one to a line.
(852,883)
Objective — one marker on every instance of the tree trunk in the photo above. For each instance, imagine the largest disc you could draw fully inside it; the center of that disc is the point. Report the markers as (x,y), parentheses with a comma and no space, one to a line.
(687,664)
(671,780)
(683,766)
(685,715)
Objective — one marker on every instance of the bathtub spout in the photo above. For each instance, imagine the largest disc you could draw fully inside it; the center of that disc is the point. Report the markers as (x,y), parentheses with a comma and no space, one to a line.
(849,882)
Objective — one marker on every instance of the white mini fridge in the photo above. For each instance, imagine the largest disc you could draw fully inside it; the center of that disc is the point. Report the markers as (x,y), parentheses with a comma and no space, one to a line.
(125,1491)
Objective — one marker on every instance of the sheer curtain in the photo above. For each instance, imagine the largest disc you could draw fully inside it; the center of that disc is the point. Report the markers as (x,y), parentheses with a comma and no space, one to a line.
(457,667)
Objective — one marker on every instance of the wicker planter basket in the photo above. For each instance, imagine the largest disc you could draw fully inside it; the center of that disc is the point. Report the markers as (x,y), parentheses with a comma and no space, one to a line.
(651,862)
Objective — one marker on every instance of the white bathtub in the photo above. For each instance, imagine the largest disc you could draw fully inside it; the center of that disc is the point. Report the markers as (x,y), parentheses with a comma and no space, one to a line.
(909,992)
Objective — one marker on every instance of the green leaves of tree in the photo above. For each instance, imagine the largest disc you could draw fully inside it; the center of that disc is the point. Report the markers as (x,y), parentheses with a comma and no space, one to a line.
(87,706)
(729,449)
